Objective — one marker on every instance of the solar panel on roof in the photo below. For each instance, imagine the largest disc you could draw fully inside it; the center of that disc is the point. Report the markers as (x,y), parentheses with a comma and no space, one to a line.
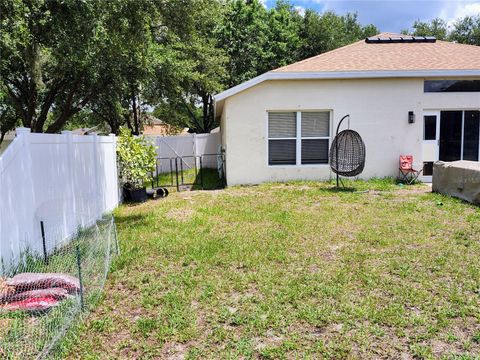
(400,39)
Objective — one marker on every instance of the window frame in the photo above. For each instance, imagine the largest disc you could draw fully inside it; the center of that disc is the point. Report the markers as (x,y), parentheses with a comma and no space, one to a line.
(298,138)
(424,127)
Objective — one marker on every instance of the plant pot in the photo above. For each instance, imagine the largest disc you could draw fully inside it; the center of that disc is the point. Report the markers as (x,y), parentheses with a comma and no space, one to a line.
(136,195)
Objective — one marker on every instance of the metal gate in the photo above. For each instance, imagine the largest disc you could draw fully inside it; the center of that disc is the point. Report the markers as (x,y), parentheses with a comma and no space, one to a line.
(204,172)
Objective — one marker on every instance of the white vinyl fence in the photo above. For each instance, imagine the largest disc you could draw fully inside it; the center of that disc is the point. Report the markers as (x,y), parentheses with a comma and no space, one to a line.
(189,148)
(65,181)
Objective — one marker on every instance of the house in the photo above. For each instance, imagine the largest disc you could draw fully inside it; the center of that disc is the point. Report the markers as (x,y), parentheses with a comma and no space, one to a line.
(404,95)
(156,127)
(87,131)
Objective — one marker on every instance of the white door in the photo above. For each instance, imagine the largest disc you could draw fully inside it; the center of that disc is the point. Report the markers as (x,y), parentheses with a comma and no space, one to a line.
(431,136)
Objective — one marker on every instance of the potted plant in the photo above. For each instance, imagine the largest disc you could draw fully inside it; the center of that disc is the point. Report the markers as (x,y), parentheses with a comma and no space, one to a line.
(137,159)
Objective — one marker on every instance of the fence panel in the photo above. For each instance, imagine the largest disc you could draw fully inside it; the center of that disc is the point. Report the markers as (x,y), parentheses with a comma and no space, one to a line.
(207,144)
(186,147)
(66,181)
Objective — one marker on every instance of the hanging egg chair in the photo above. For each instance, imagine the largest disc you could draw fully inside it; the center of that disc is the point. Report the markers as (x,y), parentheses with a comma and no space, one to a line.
(347,152)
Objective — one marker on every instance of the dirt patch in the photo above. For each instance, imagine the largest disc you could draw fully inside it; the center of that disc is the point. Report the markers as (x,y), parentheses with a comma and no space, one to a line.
(460,331)
(180,214)
(415,190)
(441,347)
(249,293)
(175,351)
(268,341)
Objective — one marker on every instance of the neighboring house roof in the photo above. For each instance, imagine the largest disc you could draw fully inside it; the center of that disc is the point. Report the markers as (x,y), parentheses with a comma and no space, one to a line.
(401,58)
(155,126)
(151,120)
(86,131)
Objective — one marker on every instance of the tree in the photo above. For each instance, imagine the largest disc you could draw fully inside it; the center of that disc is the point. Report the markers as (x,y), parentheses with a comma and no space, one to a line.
(8,118)
(324,32)
(466,30)
(193,66)
(48,66)
(282,37)
(62,58)
(436,27)
(127,63)
(243,34)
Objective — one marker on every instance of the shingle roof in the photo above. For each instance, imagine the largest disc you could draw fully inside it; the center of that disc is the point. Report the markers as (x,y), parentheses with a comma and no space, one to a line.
(362,56)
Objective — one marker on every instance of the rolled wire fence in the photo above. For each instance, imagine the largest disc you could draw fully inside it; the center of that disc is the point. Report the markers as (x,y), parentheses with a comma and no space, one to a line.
(49,287)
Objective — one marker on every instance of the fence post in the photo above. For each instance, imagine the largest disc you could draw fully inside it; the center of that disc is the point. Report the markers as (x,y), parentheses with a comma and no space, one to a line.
(201,173)
(71,178)
(96,174)
(176,173)
(115,234)
(80,280)
(45,253)
(194,137)
(115,169)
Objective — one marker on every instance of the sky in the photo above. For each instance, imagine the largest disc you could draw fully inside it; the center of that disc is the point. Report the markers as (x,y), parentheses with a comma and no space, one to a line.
(392,15)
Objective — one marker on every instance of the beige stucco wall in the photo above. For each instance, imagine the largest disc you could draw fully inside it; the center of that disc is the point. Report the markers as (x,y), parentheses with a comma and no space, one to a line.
(378,109)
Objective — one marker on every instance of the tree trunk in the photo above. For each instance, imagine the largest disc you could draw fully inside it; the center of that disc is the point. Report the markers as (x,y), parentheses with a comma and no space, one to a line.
(205,113)
(136,127)
(193,118)
(211,115)
(208,120)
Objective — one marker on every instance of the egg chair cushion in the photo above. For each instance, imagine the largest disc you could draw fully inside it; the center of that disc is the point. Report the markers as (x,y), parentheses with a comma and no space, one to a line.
(347,153)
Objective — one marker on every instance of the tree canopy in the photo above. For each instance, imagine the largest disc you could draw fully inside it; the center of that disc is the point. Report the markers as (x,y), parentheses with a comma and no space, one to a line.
(68,63)
(464,30)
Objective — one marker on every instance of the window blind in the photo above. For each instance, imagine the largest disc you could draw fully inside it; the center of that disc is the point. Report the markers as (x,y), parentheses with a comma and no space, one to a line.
(315,151)
(282,152)
(282,125)
(316,124)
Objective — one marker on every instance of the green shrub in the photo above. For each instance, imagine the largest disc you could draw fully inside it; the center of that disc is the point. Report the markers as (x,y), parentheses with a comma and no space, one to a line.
(136,158)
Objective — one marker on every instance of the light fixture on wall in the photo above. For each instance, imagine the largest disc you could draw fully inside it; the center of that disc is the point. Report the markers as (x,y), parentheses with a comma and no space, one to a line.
(411,117)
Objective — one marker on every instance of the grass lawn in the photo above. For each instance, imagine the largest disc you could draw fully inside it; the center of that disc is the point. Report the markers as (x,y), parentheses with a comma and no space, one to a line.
(292,271)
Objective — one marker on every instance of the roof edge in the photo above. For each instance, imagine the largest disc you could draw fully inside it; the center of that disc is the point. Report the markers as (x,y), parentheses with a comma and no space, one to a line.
(342,75)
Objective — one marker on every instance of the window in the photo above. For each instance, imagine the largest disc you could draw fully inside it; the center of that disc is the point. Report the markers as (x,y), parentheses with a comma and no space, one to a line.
(296,138)
(451,86)
(282,138)
(315,137)
(430,127)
